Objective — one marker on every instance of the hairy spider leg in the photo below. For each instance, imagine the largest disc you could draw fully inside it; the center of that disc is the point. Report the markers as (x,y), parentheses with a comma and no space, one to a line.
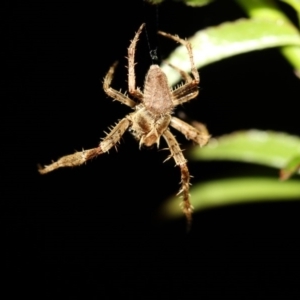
(199,135)
(180,161)
(189,89)
(78,158)
(114,93)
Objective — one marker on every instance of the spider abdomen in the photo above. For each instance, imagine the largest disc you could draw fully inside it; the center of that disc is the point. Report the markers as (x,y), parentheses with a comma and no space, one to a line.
(157,94)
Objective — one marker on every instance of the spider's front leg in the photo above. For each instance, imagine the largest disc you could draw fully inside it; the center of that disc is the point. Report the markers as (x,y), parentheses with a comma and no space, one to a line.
(81,157)
(135,92)
(189,90)
(112,92)
(180,161)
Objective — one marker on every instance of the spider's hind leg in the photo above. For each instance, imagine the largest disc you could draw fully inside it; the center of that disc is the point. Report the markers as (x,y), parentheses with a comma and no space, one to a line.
(180,161)
(79,158)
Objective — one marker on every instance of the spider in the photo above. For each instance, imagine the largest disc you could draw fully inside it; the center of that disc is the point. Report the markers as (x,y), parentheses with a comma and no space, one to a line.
(151,118)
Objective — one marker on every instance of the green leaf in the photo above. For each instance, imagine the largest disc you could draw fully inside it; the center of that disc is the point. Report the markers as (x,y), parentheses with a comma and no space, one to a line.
(196,2)
(229,39)
(262,9)
(293,3)
(269,10)
(234,191)
(262,147)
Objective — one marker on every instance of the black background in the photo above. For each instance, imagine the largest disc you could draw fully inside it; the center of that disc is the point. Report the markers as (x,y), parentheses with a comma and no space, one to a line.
(92,232)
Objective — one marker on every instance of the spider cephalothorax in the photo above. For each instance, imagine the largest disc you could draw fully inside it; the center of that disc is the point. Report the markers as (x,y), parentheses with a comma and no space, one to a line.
(151,118)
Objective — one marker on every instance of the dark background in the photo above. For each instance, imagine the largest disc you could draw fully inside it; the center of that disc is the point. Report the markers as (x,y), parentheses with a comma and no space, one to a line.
(93,232)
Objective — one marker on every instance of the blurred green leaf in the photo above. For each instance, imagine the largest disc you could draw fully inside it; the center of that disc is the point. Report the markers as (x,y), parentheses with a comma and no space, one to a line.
(269,10)
(262,147)
(228,39)
(234,191)
(262,9)
(293,3)
(196,2)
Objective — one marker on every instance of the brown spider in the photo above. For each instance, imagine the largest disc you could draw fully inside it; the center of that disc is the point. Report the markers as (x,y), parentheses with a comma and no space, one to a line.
(151,117)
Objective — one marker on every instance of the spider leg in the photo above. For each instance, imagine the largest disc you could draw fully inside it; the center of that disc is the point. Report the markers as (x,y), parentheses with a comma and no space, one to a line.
(186,77)
(78,158)
(200,135)
(188,46)
(185,93)
(112,92)
(180,161)
(131,74)
(189,90)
